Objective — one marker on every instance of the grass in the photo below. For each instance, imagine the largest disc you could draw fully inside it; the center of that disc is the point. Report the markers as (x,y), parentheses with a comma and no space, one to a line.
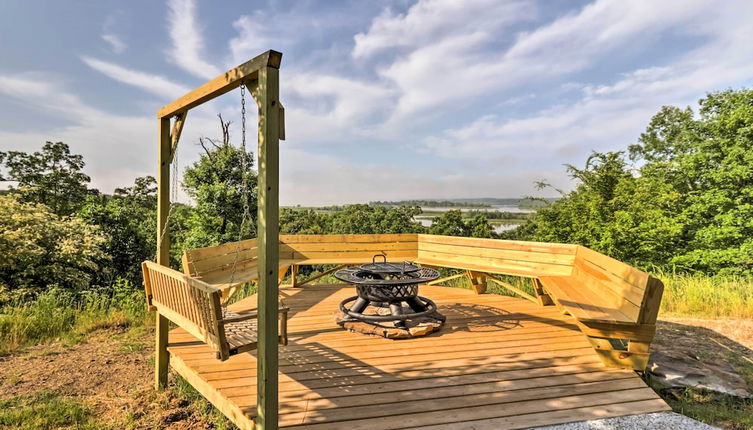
(211,414)
(61,315)
(709,407)
(702,296)
(45,410)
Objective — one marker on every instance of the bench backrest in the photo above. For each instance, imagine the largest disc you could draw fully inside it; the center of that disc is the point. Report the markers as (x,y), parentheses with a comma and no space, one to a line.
(496,256)
(633,292)
(347,248)
(200,262)
(190,303)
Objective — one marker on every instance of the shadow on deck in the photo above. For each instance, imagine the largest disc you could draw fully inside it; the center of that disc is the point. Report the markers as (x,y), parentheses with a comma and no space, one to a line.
(499,362)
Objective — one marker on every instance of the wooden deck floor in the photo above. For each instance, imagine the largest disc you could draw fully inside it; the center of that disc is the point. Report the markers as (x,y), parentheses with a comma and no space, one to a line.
(498,363)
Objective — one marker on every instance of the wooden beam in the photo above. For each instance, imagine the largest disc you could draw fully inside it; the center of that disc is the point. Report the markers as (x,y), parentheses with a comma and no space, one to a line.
(161,356)
(325,273)
(180,120)
(445,279)
(227,81)
(268,97)
(514,289)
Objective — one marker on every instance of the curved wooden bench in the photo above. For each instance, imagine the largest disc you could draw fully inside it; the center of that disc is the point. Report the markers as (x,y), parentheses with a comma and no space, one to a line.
(615,304)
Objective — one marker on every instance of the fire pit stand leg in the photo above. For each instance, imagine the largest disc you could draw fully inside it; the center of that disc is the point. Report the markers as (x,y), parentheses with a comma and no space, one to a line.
(359,305)
(415,304)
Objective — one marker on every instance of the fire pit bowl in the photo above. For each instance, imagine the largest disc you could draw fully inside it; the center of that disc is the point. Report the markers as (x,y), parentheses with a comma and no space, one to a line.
(382,288)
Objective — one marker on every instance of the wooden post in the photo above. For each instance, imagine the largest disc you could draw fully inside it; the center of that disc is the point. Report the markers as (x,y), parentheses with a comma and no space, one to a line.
(294,275)
(478,281)
(267,97)
(161,357)
(544,299)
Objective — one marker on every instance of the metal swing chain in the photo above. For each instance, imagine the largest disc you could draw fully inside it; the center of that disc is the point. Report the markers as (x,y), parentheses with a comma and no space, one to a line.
(244,185)
(173,199)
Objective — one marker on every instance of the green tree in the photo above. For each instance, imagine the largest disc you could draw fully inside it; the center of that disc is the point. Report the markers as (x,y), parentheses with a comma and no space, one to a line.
(52,177)
(370,219)
(128,221)
(686,203)
(41,249)
(452,223)
(218,185)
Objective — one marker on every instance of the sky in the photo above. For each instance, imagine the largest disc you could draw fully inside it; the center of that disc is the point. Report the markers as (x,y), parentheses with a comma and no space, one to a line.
(384,100)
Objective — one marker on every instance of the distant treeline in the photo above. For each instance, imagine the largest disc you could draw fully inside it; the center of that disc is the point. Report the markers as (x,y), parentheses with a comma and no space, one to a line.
(432,204)
(492,214)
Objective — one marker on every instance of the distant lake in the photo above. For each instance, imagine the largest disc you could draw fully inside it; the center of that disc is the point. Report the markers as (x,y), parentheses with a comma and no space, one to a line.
(498,208)
(498,225)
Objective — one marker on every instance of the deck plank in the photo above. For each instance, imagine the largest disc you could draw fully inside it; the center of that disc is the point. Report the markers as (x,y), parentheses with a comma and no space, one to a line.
(499,362)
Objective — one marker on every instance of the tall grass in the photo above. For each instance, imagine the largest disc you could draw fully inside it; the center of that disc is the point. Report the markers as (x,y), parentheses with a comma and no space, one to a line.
(698,295)
(60,314)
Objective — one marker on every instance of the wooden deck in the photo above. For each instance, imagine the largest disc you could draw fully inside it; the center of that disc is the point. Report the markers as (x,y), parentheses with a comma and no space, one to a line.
(498,363)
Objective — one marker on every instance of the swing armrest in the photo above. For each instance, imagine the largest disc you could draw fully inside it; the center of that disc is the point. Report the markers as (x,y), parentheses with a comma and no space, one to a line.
(251,315)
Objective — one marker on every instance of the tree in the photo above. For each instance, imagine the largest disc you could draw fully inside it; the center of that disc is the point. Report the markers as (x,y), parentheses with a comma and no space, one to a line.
(52,177)
(451,223)
(218,185)
(370,219)
(686,203)
(41,249)
(128,221)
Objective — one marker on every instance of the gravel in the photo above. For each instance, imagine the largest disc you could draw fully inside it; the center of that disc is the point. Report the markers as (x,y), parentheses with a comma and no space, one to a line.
(655,421)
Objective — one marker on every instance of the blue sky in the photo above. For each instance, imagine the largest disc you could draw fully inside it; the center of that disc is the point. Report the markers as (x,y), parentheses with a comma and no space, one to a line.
(384,100)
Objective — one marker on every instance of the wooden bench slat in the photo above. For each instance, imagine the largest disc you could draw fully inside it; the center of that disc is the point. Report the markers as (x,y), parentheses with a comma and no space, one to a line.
(582,303)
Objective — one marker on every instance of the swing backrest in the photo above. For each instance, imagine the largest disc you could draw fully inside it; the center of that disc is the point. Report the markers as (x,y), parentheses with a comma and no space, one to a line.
(190,303)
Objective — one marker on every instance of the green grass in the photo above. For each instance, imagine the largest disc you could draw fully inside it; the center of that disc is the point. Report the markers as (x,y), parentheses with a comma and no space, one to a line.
(45,410)
(213,415)
(704,296)
(709,407)
(60,315)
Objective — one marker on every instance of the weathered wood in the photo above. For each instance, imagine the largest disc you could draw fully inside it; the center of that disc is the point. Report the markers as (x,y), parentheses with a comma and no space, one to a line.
(246,72)
(180,120)
(267,98)
(161,355)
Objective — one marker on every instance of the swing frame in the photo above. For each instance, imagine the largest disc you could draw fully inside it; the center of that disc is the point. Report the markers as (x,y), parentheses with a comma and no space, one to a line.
(261,77)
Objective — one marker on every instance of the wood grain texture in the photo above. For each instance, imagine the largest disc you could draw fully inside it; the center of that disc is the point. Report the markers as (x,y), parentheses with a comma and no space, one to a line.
(499,362)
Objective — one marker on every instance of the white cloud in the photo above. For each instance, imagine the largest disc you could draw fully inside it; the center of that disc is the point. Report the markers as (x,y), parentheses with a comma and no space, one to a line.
(116,44)
(250,41)
(429,21)
(609,117)
(187,50)
(154,84)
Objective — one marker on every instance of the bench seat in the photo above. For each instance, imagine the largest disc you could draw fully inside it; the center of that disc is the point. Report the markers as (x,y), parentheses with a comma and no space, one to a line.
(581,302)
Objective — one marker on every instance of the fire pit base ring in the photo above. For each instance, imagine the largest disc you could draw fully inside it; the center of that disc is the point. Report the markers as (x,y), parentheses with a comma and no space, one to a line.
(377,320)
(430,306)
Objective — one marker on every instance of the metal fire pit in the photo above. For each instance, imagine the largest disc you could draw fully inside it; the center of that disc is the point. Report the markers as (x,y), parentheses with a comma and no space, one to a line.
(388,285)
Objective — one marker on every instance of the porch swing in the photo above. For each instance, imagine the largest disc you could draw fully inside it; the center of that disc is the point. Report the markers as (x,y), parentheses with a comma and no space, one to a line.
(198,305)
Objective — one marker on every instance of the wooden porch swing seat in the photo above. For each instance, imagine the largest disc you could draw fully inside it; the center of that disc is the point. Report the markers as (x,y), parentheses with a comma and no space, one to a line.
(195,306)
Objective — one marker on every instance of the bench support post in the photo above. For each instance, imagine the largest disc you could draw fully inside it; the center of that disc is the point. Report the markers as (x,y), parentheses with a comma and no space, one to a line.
(478,281)
(161,356)
(538,289)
